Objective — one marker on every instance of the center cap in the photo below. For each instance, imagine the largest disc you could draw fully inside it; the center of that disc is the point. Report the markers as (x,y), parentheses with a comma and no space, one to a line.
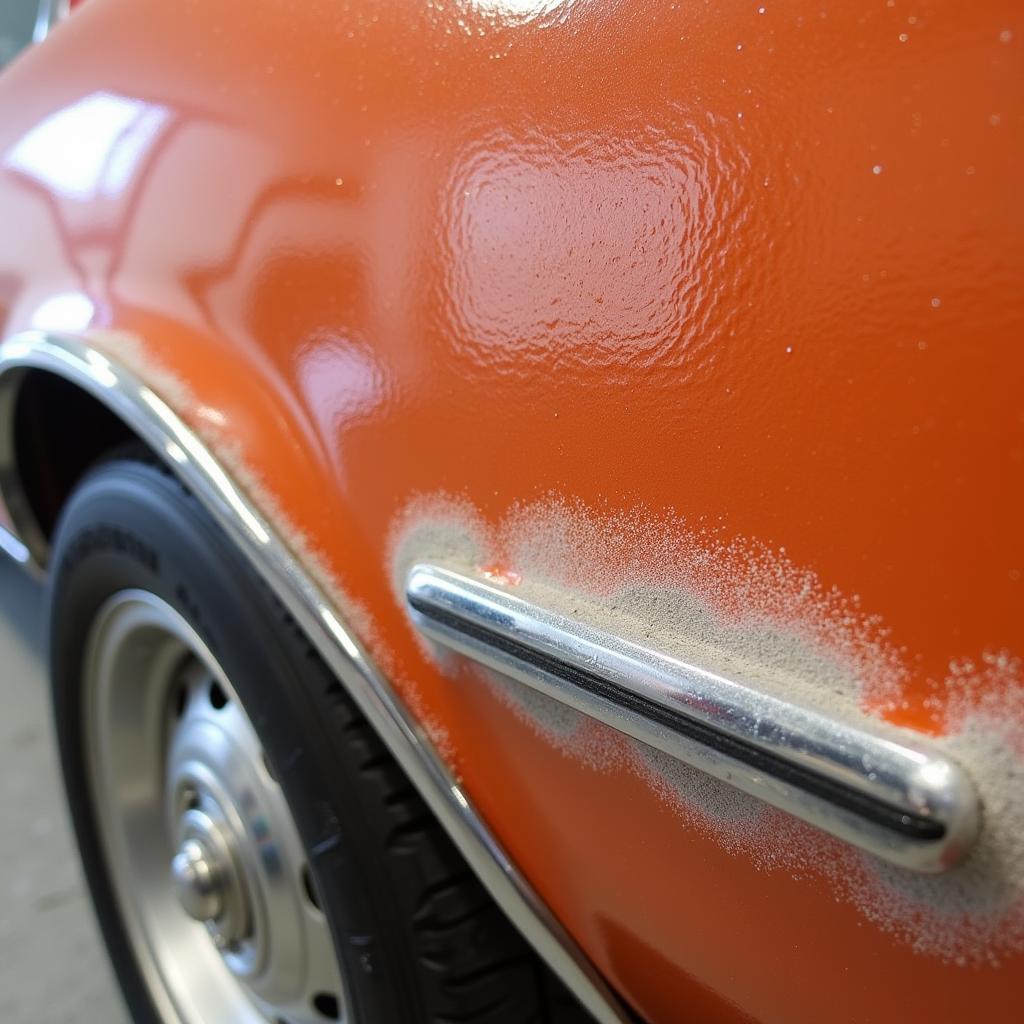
(207,879)
(198,881)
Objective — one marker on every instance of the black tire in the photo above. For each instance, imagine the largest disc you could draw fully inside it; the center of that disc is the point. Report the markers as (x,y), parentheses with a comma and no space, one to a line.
(418,938)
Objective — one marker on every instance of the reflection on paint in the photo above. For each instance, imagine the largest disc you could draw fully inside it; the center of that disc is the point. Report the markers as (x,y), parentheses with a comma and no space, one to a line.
(594,247)
(341,379)
(517,11)
(69,311)
(344,382)
(91,147)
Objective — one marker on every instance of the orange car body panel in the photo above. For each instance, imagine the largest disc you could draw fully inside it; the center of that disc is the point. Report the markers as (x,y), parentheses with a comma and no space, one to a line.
(759,264)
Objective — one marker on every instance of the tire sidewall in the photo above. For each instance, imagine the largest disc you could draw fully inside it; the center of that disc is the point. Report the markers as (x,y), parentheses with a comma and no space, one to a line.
(131,526)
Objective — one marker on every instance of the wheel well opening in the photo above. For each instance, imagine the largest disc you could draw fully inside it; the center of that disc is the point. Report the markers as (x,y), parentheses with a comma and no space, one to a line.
(59,432)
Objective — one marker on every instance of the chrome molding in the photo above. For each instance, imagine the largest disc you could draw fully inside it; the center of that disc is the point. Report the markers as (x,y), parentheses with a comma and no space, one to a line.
(160,427)
(12,547)
(48,14)
(906,804)
(29,541)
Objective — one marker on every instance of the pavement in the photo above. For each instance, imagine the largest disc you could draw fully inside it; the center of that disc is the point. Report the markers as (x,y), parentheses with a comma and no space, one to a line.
(53,967)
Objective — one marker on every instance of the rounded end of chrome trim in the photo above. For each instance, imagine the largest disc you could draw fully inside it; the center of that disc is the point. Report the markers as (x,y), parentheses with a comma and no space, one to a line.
(945,793)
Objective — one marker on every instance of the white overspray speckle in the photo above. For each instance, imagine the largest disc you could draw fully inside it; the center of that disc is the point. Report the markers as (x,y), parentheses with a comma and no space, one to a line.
(745,610)
(129,351)
(760,610)
(212,428)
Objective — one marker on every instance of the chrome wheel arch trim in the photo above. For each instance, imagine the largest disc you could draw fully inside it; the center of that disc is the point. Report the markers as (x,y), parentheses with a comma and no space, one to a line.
(13,547)
(885,792)
(157,424)
(49,14)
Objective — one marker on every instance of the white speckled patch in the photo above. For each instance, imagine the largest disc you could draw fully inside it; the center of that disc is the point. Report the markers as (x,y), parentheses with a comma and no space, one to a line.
(747,611)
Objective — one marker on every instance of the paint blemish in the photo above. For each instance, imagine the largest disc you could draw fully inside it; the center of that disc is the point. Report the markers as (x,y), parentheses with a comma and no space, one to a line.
(739,607)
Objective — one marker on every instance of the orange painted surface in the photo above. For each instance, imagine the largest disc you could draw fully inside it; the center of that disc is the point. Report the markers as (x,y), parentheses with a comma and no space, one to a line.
(762,268)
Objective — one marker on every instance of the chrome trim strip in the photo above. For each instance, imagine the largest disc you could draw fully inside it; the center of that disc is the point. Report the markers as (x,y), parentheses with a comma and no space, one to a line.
(159,426)
(908,805)
(48,14)
(19,509)
(12,547)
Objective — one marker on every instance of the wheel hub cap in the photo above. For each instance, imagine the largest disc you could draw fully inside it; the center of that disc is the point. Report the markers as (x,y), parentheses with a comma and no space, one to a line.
(198,832)
(198,881)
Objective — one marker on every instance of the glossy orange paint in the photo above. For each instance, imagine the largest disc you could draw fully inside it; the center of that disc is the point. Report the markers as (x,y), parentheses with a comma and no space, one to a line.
(760,263)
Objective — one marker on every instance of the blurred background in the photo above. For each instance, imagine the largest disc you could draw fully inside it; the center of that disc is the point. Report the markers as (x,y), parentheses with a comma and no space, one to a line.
(53,967)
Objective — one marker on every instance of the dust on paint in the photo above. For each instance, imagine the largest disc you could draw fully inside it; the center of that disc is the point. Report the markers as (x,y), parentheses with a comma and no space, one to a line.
(740,608)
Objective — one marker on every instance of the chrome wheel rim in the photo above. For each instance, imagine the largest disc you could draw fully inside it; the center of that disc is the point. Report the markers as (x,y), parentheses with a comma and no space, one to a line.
(205,859)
